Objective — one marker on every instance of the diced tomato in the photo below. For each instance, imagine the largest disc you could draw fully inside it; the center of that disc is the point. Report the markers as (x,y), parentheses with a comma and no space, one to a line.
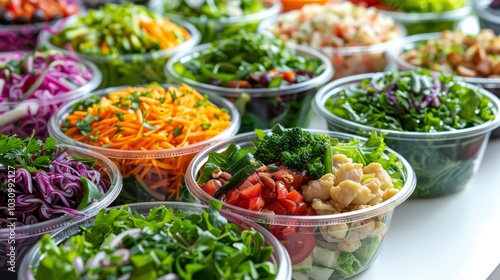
(254,178)
(310,212)
(244,203)
(245,185)
(252,191)
(299,245)
(256,203)
(289,76)
(301,208)
(233,197)
(289,230)
(298,178)
(295,196)
(269,195)
(281,190)
(277,208)
(289,205)
(212,186)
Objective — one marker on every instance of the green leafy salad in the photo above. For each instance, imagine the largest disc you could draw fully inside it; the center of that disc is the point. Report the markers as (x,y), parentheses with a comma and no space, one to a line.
(164,244)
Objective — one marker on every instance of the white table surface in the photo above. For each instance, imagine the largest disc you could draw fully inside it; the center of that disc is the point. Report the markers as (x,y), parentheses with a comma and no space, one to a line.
(456,237)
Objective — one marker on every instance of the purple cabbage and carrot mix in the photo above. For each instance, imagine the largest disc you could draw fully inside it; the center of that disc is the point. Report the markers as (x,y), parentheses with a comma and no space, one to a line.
(47,181)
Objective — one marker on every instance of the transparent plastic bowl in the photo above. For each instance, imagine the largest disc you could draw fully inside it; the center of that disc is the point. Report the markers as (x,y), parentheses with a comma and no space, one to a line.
(27,236)
(214,29)
(444,162)
(488,18)
(278,257)
(20,37)
(175,161)
(416,23)
(375,219)
(412,42)
(130,69)
(262,107)
(15,118)
(348,60)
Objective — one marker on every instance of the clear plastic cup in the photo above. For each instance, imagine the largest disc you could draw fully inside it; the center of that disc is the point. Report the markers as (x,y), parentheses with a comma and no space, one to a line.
(443,161)
(214,29)
(130,69)
(262,107)
(166,165)
(416,23)
(23,117)
(308,241)
(345,60)
(279,256)
(27,236)
(488,17)
(412,42)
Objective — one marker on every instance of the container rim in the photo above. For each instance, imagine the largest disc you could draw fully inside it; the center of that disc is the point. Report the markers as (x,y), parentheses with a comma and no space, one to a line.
(316,81)
(280,255)
(273,8)
(57,133)
(483,11)
(333,88)
(375,48)
(115,188)
(92,84)
(45,36)
(39,25)
(307,221)
(404,45)
(430,16)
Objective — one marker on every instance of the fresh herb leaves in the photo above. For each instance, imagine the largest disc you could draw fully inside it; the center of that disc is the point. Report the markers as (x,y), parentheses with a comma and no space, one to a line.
(29,153)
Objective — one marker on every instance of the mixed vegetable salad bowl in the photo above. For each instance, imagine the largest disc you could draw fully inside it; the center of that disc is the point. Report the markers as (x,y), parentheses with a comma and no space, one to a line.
(34,84)
(45,186)
(327,196)
(488,13)
(129,43)
(217,19)
(159,240)
(355,39)
(438,123)
(151,133)
(21,21)
(473,57)
(268,81)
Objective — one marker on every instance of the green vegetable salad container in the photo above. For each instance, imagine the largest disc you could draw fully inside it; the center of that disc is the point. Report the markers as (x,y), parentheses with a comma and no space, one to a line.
(148,174)
(288,105)
(321,245)
(26,236)
(444,161)
(222,21)
(132,68)
(270,263)
(416,23)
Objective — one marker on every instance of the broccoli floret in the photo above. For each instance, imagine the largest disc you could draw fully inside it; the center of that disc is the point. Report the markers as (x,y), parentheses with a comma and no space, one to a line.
(296,148)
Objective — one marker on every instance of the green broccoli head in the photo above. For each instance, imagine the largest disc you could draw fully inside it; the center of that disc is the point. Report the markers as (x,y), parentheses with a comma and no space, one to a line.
(296,148)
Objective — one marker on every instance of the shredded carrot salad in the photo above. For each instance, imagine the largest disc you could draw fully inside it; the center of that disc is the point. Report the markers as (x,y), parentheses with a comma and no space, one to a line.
(152,118)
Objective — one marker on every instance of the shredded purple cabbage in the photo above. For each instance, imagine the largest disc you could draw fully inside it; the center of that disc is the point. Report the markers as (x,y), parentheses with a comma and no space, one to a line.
(51,193)
(43,76)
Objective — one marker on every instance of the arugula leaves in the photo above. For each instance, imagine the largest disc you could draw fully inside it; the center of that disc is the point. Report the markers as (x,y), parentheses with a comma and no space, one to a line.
(29,153)
(193,246)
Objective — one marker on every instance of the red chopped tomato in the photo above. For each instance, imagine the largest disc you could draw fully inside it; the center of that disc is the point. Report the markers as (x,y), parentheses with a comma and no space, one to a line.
(269,195)
(212,186)
(233,197)
(281,190)
(244,203)
(299,244)
(277,208)
(295,196)
(301,208)
(251,191)
(289,76)
(245,185)
(256,203)
(254,178)
(289,205)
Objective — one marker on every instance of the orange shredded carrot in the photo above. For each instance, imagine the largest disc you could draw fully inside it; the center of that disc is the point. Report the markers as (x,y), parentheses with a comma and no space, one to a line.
(155,118)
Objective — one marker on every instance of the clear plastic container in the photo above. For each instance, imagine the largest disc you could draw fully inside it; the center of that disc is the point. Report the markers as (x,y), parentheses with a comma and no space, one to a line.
(262,107)
(371,222)
(347,61)
(444,161)
(214,29)
(488,17)
(28,235)
(412,42)
(20,37)
(131,69)
(22,117)
(173,162)
(279,256)
(416,23)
